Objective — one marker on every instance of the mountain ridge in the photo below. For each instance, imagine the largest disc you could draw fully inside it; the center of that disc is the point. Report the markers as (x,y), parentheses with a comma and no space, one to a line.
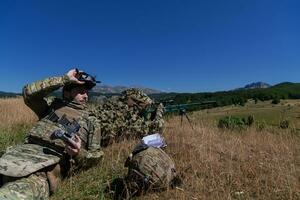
(107,89)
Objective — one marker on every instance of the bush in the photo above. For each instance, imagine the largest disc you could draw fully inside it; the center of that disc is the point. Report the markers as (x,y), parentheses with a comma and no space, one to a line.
(276,101)
(284,124)
(231,122)
(250,120)
(261,125)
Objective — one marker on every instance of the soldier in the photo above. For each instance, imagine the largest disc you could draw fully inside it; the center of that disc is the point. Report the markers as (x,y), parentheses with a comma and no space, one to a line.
(126,116)
(34,169)
(149,169)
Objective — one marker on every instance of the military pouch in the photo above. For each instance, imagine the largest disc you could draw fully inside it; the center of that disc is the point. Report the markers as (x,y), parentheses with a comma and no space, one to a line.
(53,134)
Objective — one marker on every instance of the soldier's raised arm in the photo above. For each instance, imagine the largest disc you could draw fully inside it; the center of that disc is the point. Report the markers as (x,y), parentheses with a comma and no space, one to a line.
(35,93)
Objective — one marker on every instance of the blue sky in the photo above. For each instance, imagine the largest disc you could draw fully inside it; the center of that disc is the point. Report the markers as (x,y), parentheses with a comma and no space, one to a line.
(171,45)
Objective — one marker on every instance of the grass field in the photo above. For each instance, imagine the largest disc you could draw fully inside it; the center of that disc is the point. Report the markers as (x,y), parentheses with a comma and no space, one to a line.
(214,163)
(266,112)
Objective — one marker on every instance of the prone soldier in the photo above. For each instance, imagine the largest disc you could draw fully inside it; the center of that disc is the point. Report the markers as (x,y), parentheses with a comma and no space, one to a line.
(126,116)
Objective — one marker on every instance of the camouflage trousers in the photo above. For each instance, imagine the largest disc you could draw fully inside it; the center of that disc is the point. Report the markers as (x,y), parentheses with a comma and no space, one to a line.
(34,187)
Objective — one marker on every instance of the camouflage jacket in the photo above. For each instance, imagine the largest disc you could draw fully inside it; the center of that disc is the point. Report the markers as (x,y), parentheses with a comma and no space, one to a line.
(123,116)
(90,133)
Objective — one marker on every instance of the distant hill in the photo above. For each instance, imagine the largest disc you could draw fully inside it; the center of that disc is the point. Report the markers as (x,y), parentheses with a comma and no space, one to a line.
(8,94)
(257,85)
(285,90)
(106,89)
(285,85)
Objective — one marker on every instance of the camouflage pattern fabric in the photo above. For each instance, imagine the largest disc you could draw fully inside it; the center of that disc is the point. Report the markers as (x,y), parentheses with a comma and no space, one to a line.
(34,94)
(90,132)
(34,187)
(137,98)
(29,158)
(150,169)
(123,116)
(157,123)
(22,160)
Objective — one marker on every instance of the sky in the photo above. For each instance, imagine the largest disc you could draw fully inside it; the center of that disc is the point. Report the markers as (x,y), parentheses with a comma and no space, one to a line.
(170,45)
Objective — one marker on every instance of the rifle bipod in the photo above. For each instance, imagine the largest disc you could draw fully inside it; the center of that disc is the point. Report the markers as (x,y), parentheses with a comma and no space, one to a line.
(182,112)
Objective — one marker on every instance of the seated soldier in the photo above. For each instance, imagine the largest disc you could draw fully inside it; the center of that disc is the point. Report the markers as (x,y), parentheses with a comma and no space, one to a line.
(65,131)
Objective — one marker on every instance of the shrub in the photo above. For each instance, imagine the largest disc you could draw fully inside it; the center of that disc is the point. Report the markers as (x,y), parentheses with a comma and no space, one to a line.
(276,101)
(250,120)
(261,125)
(231,122)
(284,124)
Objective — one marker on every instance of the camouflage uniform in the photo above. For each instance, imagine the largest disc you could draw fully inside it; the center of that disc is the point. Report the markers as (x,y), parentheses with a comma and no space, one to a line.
(153,167)
(124,116)
(148,169)
(34,169)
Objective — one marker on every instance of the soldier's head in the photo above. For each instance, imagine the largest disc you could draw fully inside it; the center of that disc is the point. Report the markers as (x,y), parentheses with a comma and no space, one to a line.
(79,92)
(136,97)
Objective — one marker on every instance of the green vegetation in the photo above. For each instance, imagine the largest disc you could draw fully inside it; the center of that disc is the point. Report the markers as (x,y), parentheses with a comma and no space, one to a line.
(232,122)
(265,113)
(276,100)
(235,97)
(13,135)
(284,124)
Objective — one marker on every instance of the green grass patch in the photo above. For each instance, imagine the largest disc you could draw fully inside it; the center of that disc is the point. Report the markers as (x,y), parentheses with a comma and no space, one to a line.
(13,135)
(263,112)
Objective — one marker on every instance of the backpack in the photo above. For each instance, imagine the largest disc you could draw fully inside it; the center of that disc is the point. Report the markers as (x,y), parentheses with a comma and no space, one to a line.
(151,168)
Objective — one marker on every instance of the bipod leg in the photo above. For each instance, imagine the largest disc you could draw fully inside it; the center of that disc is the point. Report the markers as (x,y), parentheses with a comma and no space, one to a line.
(187,117)
(181,119)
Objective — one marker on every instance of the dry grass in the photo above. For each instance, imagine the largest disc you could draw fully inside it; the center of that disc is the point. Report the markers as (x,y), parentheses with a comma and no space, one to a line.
(227,165)
(16,119)
(215,164)
(13,111)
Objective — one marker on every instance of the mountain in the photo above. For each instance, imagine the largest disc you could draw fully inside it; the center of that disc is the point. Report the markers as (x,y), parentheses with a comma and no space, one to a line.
(257,85)
(106,89)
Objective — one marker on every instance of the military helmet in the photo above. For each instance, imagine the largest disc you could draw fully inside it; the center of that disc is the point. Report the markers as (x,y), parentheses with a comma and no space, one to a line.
(136,97)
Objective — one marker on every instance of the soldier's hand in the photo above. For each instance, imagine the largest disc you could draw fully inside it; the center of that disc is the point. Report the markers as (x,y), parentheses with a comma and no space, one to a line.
(73,147)
(73,74)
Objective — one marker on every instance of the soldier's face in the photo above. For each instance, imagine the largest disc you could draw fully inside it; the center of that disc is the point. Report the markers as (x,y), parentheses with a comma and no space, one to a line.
(78,94)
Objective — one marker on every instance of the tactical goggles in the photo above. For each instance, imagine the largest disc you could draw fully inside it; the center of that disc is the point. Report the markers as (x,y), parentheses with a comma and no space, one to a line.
(89,80)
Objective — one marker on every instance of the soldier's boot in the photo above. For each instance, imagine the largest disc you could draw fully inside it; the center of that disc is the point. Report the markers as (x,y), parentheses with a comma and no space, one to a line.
(34,187)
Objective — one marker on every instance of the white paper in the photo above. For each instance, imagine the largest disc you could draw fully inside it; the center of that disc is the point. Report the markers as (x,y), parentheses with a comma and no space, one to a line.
(154,140)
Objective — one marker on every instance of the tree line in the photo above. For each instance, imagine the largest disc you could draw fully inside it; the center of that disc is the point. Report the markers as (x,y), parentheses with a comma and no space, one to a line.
(234,97)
